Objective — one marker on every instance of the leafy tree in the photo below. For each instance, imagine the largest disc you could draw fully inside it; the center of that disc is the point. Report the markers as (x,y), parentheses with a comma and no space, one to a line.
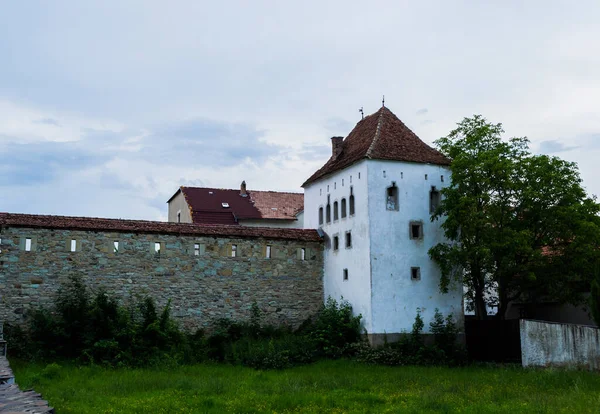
(519,226)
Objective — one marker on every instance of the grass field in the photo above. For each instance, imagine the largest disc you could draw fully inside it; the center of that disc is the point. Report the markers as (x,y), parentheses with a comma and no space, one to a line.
(330,386)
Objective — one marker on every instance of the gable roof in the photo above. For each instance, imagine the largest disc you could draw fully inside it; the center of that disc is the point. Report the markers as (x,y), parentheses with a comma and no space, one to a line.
(160,227)
(380,136)
(207,205)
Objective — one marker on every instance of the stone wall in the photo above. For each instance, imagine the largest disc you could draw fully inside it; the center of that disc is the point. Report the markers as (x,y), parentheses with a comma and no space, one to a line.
(195,271)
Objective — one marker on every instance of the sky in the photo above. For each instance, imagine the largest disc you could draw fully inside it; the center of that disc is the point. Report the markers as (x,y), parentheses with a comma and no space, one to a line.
(107,107)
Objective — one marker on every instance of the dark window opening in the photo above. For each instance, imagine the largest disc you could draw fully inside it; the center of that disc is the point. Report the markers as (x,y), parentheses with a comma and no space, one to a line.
(434,200)
(328,213)
(348,240)
(392,198)
(179,217)
(345,274)
(351,201)
(336,242)
(320,215)
(416,230)
(335,210)
(415,273)
(343,208)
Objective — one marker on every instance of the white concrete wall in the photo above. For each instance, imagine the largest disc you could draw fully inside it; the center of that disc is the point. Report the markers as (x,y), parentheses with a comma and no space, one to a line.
(356,259)
(555,344)
(287,224)
(395,296)
(178,203)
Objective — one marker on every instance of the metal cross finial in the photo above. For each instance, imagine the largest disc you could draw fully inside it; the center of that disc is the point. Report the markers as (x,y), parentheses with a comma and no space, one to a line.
(362,113)
(383,101)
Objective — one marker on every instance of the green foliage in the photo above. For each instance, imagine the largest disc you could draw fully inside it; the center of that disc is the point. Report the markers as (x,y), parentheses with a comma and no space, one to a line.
(595,300)
(519,225)
(333,328)
(412,350)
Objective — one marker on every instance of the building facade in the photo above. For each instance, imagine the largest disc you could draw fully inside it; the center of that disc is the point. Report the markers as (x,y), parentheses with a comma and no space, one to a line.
(373,201)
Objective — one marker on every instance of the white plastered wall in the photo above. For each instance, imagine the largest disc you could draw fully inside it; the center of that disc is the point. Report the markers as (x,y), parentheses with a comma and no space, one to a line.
(395,296)
(356,259)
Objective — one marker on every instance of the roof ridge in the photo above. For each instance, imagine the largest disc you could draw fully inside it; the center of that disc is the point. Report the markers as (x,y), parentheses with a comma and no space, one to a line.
(377,134)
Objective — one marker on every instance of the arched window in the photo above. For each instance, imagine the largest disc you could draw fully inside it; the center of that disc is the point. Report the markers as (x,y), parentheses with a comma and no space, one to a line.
(335,211)
(351,201)
(343,208)
(328,213)
(392,198)
(320,215)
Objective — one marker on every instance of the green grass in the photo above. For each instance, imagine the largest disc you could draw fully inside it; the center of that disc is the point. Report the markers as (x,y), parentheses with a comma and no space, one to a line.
(326,387)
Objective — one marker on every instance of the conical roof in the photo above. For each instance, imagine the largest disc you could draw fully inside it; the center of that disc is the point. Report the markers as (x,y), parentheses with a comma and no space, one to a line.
(380,136)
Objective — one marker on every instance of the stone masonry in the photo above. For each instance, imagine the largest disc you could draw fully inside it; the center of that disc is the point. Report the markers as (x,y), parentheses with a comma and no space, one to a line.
(193,268)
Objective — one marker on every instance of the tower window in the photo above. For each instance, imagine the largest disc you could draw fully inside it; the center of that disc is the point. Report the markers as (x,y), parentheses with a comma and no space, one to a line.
(303,253)
(157,247)
(345,274)
(268,252)
(336,242)
(392,198)
(179,216)
(328,213)
(73,245)
(351,201)
(27,244)
(116,246)
(335,211)
(415,273)
(434,199)
(233,250)
(416,230)
(348,240)
(320,215)
(343,208)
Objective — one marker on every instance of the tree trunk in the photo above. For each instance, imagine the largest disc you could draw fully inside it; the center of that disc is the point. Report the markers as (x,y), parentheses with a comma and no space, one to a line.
(480,307)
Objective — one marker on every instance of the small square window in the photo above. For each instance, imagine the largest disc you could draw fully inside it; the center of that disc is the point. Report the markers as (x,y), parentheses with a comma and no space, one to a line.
(415,273)
(348,240)
(268,252)
(28,244)
(416,230)
(116,246)
(233,250)
(345,274)
(196,249)
(336,242)
(157,247)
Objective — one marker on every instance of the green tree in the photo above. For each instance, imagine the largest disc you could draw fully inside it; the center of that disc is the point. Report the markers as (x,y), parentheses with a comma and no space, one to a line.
(517,225)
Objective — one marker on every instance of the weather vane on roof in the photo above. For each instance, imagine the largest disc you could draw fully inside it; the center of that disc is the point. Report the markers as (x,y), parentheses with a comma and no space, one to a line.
(362,113)
(383,101)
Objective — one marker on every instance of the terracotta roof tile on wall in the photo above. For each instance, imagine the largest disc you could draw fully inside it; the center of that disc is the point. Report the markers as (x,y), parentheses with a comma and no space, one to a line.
(141,226)
(380,136)
(206,205)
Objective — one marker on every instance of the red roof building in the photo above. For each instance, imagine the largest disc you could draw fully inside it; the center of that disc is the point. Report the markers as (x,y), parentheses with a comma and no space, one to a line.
(380,136)
(201,205)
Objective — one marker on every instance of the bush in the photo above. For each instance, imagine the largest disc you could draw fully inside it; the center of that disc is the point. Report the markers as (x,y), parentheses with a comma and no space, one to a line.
(411,350)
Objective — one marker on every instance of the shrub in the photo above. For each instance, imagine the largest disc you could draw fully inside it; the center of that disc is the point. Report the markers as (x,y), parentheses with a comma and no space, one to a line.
(333,328)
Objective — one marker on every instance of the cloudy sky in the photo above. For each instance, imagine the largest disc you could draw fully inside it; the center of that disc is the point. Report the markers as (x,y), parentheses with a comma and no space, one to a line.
(107,107)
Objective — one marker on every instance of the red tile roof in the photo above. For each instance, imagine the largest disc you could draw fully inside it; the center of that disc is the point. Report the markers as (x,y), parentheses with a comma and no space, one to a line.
(206,205)
(380,136)
(141,226)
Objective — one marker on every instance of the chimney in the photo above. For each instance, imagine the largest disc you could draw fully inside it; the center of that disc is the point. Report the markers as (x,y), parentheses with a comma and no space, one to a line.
(243,189)
(336,146)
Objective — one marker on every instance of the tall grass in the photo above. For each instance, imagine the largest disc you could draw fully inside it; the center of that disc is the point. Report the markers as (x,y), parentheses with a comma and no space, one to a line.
(328,386)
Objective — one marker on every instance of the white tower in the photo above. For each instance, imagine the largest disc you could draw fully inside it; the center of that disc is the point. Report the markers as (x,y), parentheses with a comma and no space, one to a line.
(373,199)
